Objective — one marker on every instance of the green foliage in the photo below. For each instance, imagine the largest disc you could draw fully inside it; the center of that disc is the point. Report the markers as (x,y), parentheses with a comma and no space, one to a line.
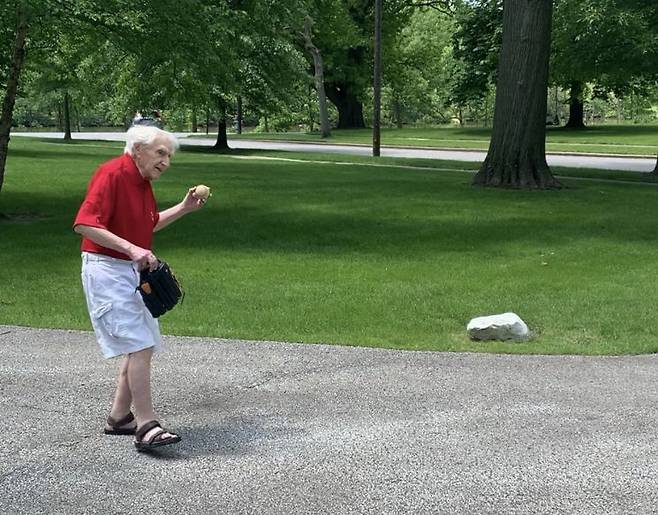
(29,114)
(476,43)
(608,42)
(7,35)
(418,70)
(115,57)
(343,31)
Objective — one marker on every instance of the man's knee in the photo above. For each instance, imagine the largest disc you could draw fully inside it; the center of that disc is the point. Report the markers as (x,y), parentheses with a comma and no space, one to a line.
(140,355)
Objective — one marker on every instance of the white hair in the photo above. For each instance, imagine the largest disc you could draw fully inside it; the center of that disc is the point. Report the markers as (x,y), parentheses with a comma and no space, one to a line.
(145,135)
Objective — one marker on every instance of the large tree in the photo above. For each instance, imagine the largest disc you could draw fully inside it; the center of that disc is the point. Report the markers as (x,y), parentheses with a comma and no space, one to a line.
(343,32)
(318,74)
(14,66)
(516,156)
(608,43)
(28,29)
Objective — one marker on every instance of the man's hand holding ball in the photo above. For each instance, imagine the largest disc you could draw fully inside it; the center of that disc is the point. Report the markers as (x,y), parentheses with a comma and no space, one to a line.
(196,197)
(201,192)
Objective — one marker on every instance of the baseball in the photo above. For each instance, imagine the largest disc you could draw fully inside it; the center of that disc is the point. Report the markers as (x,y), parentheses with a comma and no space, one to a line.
(202,192)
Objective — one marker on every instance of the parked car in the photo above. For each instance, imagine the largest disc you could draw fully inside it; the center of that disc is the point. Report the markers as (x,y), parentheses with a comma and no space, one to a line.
(152,121)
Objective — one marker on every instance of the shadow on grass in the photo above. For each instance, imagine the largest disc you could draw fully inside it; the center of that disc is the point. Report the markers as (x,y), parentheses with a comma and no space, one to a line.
(203,149)
(307,225)
(301,208)
(80,150)
(610,132)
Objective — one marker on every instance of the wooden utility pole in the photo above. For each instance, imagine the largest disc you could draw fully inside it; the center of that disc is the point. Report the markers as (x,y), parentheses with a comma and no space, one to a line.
(377,82)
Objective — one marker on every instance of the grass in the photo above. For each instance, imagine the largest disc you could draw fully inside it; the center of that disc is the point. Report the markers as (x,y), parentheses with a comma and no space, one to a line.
(639,140)
(383,256)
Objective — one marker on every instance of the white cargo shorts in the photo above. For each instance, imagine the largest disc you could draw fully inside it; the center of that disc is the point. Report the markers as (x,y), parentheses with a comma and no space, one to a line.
(121,321)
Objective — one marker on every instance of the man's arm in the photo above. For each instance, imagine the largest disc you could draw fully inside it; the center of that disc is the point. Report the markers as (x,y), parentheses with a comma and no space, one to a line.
(187,205)
(143,257)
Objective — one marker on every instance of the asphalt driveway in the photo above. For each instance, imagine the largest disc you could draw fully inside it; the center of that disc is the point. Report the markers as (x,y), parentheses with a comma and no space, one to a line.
(291,428)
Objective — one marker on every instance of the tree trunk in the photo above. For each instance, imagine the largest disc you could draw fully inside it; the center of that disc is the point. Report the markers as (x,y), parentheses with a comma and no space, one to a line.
(311,118)
(195,123)
(350,110)
(397,112)
(576,107)
(67,117)
(325,129)
(517,154)
(239,115)
(377,83)
(222,139)
(60,118)
(18,57)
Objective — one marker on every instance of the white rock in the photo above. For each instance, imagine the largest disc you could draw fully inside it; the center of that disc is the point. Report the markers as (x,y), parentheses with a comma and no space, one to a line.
(506,326)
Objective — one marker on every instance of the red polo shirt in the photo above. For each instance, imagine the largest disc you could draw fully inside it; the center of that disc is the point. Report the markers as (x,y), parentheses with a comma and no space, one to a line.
(120,200)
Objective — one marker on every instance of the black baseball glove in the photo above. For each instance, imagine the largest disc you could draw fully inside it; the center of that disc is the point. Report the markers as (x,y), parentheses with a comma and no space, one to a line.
(160,289)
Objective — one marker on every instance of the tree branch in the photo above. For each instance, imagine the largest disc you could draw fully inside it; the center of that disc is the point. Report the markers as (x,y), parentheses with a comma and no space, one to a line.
(444,6)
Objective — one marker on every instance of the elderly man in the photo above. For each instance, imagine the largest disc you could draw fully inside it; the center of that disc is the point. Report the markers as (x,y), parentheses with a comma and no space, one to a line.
(117,220)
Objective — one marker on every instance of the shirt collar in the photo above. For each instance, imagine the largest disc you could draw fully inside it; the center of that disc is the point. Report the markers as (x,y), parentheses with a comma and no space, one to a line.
(133,172)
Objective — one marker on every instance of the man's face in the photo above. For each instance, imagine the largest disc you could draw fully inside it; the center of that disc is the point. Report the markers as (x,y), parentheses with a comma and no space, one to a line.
(152,160)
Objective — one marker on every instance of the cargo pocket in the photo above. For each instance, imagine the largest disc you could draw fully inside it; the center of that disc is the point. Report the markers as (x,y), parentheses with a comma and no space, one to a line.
(104,315)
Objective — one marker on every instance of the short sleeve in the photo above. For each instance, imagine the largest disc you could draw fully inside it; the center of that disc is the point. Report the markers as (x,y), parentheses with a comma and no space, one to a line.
(96,209)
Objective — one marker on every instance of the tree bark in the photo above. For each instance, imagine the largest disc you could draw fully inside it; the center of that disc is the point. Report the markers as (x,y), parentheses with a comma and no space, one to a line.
(60,118)
(222,139)
(239,114)
(67,117)
(195,123)
(517,155)
(17,60)
(576,107)
(350,110)
(325,129)
(397,112)
(311,117)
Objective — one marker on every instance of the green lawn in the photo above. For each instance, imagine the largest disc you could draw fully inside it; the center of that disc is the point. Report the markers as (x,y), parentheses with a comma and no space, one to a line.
(605,139)
(374,253)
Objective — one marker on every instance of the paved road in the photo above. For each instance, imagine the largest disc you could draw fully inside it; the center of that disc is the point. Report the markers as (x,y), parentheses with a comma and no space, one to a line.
(577,161)
(273,428)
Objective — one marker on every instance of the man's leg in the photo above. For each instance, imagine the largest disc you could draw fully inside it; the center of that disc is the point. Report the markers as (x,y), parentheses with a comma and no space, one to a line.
(122,397)
(139,381)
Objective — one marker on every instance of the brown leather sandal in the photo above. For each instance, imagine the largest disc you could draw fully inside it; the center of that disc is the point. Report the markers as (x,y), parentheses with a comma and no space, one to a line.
(156,440)
(115,425)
